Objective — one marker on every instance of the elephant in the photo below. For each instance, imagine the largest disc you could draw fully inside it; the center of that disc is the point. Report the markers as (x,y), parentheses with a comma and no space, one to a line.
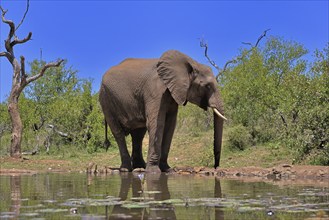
(140,95)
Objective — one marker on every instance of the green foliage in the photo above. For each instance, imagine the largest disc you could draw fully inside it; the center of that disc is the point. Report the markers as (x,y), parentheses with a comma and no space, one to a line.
(238,137)
(193,120)
(58,110)
(277,95)
(95,126)
(271,95)
(5,127)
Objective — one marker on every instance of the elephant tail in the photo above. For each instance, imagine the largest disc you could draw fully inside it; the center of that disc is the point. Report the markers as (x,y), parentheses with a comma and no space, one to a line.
(107,143)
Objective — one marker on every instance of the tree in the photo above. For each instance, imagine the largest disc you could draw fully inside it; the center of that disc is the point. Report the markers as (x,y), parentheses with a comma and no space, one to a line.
(20,80)
(62,102)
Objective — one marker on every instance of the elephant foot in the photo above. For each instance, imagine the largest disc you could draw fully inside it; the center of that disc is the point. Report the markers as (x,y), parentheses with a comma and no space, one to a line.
(125,168)
(139,164)
(152,169)
(164,167)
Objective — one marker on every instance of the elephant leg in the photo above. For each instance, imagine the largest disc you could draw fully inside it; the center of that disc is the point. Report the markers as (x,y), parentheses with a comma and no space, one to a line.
(166,141)
(119,136)
(137,136)
(155,129)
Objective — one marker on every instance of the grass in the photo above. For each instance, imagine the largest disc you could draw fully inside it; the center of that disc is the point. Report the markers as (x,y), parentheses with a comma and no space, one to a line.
(193,149)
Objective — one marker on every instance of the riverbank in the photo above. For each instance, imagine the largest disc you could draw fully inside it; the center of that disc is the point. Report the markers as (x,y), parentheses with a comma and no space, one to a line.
(188,155)
(289,172)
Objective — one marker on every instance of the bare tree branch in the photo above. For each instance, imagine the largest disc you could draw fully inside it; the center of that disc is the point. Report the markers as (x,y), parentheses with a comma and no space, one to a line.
(11,31)
(234,60)
(205,45)
(5,54)
(261,37)
(23,74)
(247,43)
(23,66)
(27,9)
(18,41)
(43,70)
(258,40)
(9,43)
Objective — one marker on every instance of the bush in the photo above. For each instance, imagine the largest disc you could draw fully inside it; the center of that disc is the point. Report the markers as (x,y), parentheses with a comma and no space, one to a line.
(193,120)
(239,137)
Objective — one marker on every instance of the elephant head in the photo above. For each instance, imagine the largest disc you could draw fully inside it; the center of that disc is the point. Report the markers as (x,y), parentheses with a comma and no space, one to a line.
(190,81)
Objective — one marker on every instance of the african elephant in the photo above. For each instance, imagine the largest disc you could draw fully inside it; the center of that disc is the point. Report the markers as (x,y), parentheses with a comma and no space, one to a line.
(140,95)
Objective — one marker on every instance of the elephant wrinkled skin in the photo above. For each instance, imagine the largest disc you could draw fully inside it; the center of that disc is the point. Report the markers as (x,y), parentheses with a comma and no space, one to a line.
(140,95)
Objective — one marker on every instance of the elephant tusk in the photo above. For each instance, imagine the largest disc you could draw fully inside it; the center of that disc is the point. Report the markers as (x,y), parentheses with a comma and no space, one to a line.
(219,114)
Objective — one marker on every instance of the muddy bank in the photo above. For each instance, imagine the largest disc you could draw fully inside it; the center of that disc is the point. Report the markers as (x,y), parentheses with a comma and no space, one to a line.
(284,171)
(280,172)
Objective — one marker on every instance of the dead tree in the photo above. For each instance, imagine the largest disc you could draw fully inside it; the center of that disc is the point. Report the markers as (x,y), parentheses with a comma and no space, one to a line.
(220,71)
(20,80)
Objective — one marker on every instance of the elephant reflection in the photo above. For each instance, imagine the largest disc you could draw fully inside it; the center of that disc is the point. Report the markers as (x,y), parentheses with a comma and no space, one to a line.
(154,182)
(219,213)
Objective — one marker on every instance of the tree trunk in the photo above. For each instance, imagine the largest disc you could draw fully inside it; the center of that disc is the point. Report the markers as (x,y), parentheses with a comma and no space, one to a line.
(17,126)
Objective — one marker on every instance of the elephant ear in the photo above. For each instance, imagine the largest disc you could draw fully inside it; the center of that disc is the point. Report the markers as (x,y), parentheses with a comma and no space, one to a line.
(175,69)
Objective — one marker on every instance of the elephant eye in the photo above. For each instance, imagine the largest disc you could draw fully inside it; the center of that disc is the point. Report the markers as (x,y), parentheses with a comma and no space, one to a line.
(208,86)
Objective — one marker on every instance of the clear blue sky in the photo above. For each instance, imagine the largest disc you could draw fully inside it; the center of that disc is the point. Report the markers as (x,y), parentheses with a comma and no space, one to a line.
(95,35)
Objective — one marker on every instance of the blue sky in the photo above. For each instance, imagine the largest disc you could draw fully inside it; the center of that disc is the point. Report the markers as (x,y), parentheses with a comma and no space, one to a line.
(95,35)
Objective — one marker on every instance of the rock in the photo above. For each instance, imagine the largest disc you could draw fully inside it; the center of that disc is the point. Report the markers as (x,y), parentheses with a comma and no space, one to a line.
(205,172)
(198,169)
(184,172)
(286,166)
(73,210)
(237,174)
(90,167)
(95,170)
(321,173)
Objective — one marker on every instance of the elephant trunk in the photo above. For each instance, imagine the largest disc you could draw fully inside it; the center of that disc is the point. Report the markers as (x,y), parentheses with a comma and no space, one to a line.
(218,135)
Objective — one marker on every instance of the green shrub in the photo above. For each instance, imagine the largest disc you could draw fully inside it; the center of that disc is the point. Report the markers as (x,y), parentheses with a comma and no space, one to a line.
(239,137)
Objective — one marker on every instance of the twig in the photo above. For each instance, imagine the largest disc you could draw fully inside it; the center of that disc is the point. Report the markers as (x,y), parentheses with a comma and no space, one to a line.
(261,37)
(43,70)
(27,9)
(234,60)
(205,45)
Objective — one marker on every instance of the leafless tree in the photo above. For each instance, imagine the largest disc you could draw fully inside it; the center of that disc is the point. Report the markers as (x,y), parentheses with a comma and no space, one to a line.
(220,71)
(20,79)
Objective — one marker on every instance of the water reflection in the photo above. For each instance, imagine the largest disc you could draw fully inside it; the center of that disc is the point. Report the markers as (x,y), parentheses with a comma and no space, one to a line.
(161,196)
(219,213)
(156,189)
(15,195)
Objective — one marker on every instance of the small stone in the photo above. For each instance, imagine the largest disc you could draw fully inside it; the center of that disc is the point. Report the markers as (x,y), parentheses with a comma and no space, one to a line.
(321,173)
(237,174)
(74,210)
(286,165)
(198,169)
(204,172)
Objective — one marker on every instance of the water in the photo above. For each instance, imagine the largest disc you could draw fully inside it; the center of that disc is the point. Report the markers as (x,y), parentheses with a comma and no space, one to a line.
(129,196)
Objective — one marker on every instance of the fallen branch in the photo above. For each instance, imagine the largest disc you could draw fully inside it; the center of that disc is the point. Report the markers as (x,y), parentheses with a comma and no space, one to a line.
(60,133)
